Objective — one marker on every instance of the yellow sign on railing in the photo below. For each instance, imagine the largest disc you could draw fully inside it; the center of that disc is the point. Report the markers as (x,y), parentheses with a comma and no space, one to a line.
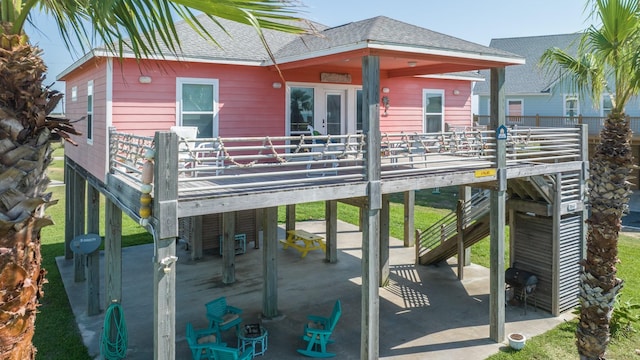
(484,173)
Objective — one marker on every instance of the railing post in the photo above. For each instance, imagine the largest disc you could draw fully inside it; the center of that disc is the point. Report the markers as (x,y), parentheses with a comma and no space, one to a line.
(112,148)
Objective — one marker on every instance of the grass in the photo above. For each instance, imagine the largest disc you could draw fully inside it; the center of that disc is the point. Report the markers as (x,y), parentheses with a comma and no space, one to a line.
(57,318)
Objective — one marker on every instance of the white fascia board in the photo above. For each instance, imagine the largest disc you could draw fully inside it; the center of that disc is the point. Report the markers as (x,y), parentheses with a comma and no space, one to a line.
(448,53)
(102,53)
(452,77)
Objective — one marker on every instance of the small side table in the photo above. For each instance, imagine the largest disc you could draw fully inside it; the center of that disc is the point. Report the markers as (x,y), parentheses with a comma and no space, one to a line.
(257,341)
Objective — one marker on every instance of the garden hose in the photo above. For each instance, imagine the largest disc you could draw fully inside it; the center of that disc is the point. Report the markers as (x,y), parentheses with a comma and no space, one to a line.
(114,334)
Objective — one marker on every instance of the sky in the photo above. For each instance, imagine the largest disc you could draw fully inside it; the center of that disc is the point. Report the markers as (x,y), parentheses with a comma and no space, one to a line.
(474,20)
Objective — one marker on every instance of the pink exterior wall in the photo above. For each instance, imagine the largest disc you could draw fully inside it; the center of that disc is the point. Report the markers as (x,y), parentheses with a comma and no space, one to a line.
(248,103)
(405,103)
(92,157)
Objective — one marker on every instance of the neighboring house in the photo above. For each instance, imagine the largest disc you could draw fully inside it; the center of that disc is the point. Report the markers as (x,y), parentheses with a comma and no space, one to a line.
(235,90)
(532,90)
(538,97)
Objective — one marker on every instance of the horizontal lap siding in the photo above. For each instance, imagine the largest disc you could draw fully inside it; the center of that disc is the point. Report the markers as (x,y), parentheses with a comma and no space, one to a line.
(533,251)
(92,157)
(570,256)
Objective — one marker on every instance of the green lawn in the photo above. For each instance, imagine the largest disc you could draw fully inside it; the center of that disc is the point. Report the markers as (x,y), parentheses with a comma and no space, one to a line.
(55,315)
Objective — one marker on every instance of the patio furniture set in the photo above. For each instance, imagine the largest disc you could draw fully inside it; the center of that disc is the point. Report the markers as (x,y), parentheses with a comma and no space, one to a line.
(252,339)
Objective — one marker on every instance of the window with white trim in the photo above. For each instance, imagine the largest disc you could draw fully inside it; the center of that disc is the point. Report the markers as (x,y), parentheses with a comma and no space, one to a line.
(433,110)
(90,112)
(571,105)
(198,105)
(74,93)
(515,107)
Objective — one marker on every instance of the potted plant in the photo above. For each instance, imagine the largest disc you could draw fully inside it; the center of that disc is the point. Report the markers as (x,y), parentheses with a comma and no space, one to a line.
(516,340)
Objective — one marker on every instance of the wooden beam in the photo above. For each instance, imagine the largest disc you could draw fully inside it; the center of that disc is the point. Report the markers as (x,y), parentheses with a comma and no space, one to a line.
(290,219)
(464,193)
(534,207)
(79,189)
(460,230)
(228,244)
(93,259)
(194,234)
(165,220)
(270,264)
(409,217)
(497,213)
(331,232)
(113,252)
(68,212)
(370,334)
(385,222)
(555,255)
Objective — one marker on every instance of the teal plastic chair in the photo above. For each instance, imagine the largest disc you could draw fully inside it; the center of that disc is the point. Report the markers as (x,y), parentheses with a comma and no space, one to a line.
(221,316)
(229,353)
(318,333)
(201,342)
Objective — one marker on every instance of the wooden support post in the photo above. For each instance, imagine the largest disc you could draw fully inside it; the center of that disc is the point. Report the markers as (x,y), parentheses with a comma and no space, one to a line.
(93,259)
(409,216)
(460,215)
(165,220)
(464,193)
(497,214)
(384,241)
(370,334)
(112,252)
(79,189)
(270,263)
(194,234)
(331,232)
(290,221)
(68,208)
(228,244)
(257,229)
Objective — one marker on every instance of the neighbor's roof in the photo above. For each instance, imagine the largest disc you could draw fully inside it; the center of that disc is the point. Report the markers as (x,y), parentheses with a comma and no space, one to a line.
(241,45)
(529,78)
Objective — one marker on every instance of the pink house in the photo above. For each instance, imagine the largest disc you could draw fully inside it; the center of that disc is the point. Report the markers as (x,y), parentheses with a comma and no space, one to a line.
(392,105)
(242,93)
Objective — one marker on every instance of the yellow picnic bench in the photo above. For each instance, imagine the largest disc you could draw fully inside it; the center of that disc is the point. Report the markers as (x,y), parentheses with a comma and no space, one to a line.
(309,241)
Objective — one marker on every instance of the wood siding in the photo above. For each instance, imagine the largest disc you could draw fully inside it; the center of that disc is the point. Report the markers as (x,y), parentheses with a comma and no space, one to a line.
(92,157)
(212,229)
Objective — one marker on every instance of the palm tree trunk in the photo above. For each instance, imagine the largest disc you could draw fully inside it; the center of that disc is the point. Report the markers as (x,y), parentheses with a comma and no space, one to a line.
(609,191)
(25,153)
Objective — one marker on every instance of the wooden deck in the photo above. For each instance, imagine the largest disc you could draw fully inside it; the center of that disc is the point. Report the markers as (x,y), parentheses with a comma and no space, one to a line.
(255,172)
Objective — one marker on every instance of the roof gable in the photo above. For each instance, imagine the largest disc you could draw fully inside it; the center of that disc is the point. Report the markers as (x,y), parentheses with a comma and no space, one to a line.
(529,78)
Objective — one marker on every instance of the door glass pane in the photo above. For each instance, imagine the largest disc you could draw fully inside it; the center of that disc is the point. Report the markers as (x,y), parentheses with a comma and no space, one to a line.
(204,122)
(197,97)
(301,109)
(434,123)
(334,114)
(434,103)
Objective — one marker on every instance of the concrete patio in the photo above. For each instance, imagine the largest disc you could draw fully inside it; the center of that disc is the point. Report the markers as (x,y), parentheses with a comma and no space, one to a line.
(425,312)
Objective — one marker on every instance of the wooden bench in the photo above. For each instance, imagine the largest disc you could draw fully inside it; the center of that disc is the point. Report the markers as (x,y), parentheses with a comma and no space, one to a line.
(309,241)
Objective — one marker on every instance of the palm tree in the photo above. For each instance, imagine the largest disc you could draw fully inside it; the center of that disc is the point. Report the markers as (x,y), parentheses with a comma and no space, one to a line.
(26,130)
(607,62)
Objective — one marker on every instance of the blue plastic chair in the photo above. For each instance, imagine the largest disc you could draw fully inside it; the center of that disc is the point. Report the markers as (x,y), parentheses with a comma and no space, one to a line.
(201,342)
(221,316)
(318,333)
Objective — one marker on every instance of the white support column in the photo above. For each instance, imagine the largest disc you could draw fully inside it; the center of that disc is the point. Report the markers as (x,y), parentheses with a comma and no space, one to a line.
(370,334)
(79,190)
(409,217)
(68,209)
(497,215)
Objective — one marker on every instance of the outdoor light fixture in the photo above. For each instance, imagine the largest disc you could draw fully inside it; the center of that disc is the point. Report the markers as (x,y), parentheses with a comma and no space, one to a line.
(456,92)
(144,79)
(276,85)
(385,103)
(385,90)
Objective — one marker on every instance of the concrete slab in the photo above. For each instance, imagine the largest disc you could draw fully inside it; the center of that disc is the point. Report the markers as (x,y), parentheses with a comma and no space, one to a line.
(424,312)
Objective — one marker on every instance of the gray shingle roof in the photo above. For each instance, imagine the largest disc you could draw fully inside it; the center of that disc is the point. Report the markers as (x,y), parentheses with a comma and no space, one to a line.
(529,78)
(382,29)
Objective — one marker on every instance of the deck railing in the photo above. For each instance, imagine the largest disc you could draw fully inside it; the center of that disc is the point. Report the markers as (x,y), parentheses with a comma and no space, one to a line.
(250,163)
(594,123)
